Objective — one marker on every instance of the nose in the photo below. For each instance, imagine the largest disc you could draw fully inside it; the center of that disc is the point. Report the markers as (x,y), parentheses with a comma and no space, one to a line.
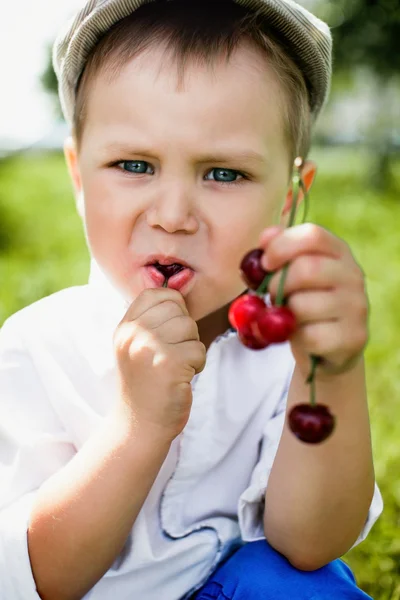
(173,210)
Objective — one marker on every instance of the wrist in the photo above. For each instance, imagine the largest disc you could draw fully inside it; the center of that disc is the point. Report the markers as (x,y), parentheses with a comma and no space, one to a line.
(353,370)
(338,392)
(131,428)
(327,373)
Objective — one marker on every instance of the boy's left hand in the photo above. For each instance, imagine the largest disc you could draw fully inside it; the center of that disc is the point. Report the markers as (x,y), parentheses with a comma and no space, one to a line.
(325,289)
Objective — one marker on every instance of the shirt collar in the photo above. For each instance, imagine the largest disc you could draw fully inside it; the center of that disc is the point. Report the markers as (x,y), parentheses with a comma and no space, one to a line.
(110,301)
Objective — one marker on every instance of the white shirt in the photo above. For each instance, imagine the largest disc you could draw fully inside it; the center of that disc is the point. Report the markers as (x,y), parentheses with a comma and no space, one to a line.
(57,383)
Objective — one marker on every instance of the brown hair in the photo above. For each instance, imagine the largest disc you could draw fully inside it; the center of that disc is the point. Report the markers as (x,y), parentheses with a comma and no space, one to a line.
(200,30)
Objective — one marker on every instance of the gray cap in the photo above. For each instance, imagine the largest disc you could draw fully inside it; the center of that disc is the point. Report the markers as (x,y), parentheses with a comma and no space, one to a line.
(309,38)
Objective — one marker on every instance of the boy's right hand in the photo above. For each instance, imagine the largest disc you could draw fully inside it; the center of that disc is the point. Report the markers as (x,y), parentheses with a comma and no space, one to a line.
(158,352)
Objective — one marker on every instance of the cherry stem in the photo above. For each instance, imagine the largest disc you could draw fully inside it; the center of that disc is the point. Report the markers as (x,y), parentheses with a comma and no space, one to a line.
(315,360)
(280,295)
(264,285)
(165,284)
(296,179)
(306,200)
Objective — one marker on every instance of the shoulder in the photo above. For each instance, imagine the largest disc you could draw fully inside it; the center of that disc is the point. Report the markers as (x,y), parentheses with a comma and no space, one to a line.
(47,315)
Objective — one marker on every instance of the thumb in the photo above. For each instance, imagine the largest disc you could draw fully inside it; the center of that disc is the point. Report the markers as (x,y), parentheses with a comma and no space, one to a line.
(268,234)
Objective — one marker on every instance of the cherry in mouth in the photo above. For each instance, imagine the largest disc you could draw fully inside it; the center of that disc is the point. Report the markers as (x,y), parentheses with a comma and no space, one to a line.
(169,270)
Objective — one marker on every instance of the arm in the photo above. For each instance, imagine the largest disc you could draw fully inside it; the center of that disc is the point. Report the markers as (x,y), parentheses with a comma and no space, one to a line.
(318,497)
(83,514)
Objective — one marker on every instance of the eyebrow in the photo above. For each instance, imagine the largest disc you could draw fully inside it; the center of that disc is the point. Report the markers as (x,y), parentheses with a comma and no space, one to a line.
(242,155)
(216,157)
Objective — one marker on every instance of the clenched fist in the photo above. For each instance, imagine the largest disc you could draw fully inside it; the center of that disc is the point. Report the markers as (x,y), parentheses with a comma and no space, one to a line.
(325,290)
(158,352)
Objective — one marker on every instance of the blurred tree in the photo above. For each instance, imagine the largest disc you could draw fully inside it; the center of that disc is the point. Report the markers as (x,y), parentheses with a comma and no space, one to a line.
(366,33)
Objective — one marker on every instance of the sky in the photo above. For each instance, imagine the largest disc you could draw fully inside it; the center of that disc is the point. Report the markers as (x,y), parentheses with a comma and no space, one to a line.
(26,27)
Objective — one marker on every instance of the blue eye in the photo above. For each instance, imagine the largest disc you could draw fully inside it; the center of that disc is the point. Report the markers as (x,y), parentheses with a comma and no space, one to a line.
(221,175)
(226,176)
(135,166)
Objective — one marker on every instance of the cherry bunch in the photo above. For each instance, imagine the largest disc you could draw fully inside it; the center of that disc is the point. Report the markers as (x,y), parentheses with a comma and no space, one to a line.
(258,325)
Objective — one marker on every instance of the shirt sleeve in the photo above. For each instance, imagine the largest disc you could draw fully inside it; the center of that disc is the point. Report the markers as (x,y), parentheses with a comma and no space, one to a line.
(33,446)
(251,502)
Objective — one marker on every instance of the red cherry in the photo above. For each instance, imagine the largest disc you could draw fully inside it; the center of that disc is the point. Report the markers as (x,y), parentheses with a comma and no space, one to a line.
(251,269)
(244,315)
(277,324)
(311,423)
(245,309)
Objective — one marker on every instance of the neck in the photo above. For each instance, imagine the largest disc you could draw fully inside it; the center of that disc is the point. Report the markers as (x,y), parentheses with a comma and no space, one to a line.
(213,325)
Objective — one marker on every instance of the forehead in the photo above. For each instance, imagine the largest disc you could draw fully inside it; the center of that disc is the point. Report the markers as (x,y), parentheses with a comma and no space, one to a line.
(238,99)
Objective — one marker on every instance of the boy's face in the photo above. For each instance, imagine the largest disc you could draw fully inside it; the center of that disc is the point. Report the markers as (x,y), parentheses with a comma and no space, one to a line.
(188,184)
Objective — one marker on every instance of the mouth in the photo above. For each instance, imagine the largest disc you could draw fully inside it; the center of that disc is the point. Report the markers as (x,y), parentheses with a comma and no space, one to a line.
(169,271)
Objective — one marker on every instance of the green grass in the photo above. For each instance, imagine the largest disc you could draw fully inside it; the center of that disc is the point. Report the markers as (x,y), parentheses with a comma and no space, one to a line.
(42,244)
(42,249)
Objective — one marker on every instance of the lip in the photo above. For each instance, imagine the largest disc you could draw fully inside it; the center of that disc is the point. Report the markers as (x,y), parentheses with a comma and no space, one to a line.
(163,259)
(181,281)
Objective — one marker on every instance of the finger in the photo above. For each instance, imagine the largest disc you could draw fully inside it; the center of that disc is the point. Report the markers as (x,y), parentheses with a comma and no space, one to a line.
(178,329)
(160,313)
(149,298)
(335,341)
(268,234)
(311,272)
(315,306)
(302,239)
(195,354)
(319,338)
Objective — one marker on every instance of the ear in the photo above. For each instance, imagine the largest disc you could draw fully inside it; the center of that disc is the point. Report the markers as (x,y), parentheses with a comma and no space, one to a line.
(71,158)
(308,173)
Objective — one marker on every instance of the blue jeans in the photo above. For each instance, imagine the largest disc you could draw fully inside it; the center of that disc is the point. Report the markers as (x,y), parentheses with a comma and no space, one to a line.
(257,572)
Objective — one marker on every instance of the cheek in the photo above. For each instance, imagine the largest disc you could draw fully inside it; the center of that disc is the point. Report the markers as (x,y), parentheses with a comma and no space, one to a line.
(234,237)
(104,214)
(240,232)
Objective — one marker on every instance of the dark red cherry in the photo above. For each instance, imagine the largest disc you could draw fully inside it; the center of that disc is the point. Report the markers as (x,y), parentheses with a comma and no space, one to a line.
(251,269)
(311,423)
(277,324)
(251,340)
(169,270)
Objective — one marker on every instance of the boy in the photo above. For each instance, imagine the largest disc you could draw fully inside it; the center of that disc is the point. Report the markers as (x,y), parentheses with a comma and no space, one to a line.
(142,445)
